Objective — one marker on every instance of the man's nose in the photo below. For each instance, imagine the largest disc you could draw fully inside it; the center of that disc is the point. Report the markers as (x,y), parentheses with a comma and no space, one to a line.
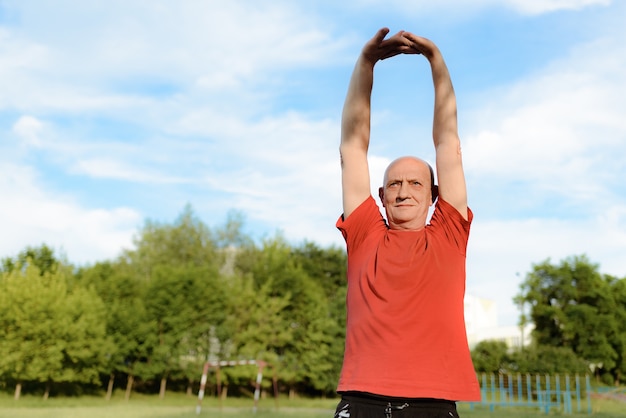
(403,192)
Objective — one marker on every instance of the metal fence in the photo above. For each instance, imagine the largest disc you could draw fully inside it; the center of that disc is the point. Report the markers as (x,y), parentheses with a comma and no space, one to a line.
(563,393)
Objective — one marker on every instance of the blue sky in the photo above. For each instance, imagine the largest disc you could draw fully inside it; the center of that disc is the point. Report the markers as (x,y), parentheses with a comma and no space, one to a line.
(114,112)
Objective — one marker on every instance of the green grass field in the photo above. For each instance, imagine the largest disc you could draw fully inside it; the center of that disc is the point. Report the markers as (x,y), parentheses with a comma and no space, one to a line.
(181,406)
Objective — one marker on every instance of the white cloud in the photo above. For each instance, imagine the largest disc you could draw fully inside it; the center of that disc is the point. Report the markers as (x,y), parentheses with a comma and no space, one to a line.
(559,129)
(109,168)
(28,129)
(284,171)
(463,9)
(535,7)
(74,55)
(30,216)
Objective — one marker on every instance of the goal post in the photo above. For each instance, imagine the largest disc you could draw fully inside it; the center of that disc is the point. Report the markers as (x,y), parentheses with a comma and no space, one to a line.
(229,363)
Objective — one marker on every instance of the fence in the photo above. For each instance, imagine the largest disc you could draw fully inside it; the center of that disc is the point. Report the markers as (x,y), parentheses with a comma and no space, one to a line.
(544,392)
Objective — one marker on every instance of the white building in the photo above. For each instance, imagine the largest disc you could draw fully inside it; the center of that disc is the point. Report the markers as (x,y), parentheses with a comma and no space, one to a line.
(481,322)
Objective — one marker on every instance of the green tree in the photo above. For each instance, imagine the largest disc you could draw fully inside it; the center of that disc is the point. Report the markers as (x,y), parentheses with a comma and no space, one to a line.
(256,328)
(42,257)
(618,339)
(179,264)
(490,356)
(82,330)
(573,305)
(127,322)
(327,266)
(28,307)
(50,332)
(231,234)
(546,359)
(184,303)
(327,269)
(187,241)
(306,356)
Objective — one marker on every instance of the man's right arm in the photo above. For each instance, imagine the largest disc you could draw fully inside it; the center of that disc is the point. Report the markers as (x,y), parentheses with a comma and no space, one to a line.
(355,121)
(355,137)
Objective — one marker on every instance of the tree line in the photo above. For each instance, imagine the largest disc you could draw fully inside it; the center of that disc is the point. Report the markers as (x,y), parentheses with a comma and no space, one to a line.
(186,294)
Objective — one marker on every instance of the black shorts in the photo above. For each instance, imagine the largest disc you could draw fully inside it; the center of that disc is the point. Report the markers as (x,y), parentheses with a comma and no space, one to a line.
(365,405)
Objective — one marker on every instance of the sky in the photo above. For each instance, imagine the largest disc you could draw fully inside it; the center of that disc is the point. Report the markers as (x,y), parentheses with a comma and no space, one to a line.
(117,112)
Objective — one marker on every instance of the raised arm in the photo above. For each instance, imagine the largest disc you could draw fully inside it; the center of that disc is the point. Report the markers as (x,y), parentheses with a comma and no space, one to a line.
(355,122)
(450,174)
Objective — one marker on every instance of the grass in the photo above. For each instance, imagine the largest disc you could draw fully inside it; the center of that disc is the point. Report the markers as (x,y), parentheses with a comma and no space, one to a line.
(180,406)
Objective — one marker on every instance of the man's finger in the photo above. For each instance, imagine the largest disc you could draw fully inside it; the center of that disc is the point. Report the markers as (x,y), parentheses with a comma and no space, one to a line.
(380,35)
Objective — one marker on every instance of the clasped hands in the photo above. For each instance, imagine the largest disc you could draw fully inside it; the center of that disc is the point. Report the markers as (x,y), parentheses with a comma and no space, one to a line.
(379,48)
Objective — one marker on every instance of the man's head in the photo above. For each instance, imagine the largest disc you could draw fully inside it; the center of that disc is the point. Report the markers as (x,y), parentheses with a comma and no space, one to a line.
(407,193)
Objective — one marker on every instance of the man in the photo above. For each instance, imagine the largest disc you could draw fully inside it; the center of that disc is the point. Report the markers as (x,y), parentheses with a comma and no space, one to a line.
(406,351)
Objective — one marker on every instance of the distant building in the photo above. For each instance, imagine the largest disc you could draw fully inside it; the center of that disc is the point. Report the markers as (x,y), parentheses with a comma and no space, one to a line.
(481,322)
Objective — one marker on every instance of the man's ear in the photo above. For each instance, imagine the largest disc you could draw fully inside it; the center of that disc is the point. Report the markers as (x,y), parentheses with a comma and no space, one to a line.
(381,195)
(435,192)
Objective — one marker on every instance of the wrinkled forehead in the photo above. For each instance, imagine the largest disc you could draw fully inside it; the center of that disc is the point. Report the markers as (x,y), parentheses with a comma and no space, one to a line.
(407,168)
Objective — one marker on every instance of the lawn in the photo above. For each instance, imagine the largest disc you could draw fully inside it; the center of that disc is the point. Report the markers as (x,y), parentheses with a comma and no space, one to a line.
(181,406)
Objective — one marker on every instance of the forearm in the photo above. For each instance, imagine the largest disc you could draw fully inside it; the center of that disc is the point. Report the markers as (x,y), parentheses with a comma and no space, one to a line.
(355,126)
(450,174)
(355,121)
(355,137)
(445,127)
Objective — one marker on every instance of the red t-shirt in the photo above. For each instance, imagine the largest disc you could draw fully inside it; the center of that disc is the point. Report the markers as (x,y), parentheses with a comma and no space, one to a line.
(405,333)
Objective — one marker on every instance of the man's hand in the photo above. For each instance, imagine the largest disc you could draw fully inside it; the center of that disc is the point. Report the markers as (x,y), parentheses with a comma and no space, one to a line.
(378,48)
(421,45)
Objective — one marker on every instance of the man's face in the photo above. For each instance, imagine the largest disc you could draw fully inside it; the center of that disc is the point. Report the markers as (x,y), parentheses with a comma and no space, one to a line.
(406,193)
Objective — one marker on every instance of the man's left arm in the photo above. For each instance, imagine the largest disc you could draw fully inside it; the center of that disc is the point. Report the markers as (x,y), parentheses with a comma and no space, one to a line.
(450,173)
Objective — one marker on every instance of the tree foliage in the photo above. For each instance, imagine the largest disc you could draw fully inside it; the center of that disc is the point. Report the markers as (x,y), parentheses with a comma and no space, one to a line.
(490,356)
(303,322)
(51,333)
(42,257)
(184,294)
(576,307)
(547,359)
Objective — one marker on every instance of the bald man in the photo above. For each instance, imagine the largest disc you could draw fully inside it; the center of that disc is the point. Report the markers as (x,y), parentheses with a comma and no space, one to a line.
(406,351)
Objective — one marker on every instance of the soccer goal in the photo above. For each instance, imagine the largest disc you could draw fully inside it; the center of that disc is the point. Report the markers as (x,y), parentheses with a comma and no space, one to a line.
(230,363)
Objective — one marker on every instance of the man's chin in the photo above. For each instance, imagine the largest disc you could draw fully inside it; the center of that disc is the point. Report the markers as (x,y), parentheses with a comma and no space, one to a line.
(405,215)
